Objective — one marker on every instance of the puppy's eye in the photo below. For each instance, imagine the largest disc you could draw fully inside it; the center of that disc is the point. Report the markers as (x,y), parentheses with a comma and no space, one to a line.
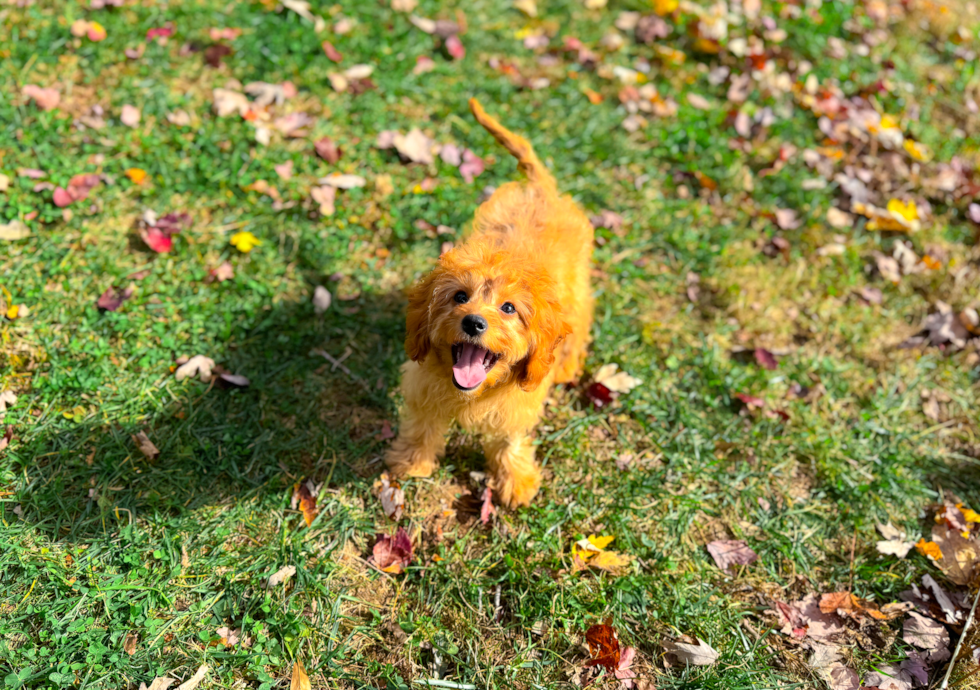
(507,308)
(461,297)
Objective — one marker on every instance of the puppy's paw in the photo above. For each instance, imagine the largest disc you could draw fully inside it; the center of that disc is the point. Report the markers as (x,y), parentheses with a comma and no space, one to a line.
(517,488)
(410,462)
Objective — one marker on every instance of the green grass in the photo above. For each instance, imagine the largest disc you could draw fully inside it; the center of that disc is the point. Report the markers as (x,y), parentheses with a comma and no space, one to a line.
(94,550)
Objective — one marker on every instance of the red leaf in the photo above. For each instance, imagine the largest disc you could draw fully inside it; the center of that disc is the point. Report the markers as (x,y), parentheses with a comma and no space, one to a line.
(112,299)
(487,509)
(62,198)
(751,401)
(331,52)
(598,395)
(215,52)
(766,359)
(386,431)
(328,150)
(159,32)
(392,554)
(455,48)
(172,223)
(157,240)
(603,646)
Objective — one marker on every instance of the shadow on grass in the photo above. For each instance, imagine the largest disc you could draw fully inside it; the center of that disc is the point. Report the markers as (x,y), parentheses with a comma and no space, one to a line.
(302,416)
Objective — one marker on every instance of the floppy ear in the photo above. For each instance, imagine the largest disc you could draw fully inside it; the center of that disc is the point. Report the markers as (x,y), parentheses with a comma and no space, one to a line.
(417,343)
(547,330)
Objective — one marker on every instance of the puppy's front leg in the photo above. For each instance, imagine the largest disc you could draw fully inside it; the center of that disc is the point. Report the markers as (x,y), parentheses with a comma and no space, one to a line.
(421,439)
(516,477)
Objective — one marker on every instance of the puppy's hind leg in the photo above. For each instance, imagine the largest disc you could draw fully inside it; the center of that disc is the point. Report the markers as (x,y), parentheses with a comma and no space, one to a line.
(516,477)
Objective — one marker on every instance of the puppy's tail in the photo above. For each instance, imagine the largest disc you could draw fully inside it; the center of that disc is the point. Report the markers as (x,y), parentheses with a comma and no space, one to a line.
(518,146)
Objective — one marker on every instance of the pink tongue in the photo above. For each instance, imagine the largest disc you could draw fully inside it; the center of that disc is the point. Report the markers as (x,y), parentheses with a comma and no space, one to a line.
(469,371)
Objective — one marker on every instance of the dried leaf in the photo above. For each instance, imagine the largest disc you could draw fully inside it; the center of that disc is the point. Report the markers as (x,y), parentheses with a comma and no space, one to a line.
(112,299)
(221,273)
(471,166)
(194,680)
(321,300)
(331,52)
(392,497)
(700,654)
(341,181)
(280,576)
(392,554)
(327,149)
(786,219)
(727,553)
(306,499)
(299,680)
(603,641)
(129,643)
(46,99)
(487,509)
(615,380)
(130,115)
(895,542)
(159,683)
(197,366)
(226,102)
(324,196)
(927,634)
(415,146)
(766,359)
(14,230)
(145,445)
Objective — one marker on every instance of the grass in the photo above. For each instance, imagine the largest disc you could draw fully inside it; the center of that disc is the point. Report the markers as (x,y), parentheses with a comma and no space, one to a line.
(100,543)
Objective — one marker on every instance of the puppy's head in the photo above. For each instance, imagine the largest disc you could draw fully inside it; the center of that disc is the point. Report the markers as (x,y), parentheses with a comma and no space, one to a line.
(487,317)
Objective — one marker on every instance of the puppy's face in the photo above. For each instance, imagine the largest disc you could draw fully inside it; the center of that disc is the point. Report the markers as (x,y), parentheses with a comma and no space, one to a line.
(487,318)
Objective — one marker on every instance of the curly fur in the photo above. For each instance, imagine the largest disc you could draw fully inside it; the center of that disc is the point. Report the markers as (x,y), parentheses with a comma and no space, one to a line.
(532,248)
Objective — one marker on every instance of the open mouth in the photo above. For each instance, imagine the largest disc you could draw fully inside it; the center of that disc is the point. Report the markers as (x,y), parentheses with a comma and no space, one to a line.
(471,363)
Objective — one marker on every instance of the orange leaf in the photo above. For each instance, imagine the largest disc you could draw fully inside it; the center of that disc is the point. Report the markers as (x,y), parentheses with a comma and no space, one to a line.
(829,603)
(705,181)
(929,549)
(307,502)
(594,97)
(603,645)
(137,175)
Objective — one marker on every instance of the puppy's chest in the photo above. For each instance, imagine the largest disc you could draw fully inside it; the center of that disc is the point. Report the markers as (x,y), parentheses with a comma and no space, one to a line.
(508,411)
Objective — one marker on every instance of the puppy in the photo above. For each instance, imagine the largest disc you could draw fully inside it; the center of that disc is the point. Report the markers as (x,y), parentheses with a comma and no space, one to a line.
(501,318)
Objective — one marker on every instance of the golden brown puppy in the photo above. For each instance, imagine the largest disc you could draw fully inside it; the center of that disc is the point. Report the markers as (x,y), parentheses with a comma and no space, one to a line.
(499,320)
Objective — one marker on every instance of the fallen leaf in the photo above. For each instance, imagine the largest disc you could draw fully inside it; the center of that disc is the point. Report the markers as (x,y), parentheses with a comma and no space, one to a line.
(765,358)
(159,32)
(198,366)
(78,189)
(179,118)
(423,64)
(699,102)
(229,636)
(404,5)
(46,99)
(455,48)
(194,680)
(244,241)
(392,554)
(136,175)
(839,677)
(224,34)
(603,641)
(299,680)
(487,509)
(415,146)
(895,542)
(156,239)
(610,220)
(130,115)
(226,102)
(614,380)
(592,552)
(222,272)
(392,497)
(927,634)
(623,672)
(727,552)
(129,644)
(145,445)
(324,196)
(280,576)
(471,167)
(331,52)
(159,683)
(786,219)
(839,219)
(341,181)
(14,230)
(112,299)
(306,500)
(929,549)
(700,654)
(358,72)
(321,300)
(284,171)
(888,677)
(7,399)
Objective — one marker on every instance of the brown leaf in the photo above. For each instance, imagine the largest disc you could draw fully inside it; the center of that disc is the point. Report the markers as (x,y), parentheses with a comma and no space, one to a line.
(328,150)
(280,576)
(392,497)
(299,679)
(129,644)
(927,634)
(727,552)
(700,654)
(392,554)
(603,643)
(145,445)
(304,497)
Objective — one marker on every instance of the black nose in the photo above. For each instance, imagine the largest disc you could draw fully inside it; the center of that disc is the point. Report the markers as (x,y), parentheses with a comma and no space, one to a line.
(474,324)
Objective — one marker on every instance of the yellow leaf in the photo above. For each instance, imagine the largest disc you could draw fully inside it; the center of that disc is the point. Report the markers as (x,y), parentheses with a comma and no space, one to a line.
(970,515)
(665,7)
(919,152)
(903,211)
(600,542)
(245,241)
(889,122)
(610,561)
(929,549)
(137,175)
(13,312)
(299,681)
(594,97)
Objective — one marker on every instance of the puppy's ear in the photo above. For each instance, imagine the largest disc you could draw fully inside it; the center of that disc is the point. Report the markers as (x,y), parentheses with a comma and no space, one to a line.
(547,331)
(417,342)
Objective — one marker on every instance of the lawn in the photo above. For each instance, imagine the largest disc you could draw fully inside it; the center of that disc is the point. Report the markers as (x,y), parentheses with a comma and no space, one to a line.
(785,257)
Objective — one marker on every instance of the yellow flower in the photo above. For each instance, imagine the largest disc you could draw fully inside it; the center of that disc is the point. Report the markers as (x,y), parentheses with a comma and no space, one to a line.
(919,152)
(137,175)
(245,241)
(665,7)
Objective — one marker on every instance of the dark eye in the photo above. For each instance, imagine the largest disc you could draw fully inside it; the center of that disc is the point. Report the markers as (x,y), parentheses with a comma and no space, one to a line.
(507,308)
(461,297)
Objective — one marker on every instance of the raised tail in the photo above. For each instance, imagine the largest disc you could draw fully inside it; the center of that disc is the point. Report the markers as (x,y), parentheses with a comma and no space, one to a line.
(518,146)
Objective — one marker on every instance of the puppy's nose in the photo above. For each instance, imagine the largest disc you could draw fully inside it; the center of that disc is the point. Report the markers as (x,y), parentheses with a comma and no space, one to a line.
(474,324)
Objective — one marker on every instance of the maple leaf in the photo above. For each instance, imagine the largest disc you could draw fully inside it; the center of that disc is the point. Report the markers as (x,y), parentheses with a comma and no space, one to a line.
(391,554)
